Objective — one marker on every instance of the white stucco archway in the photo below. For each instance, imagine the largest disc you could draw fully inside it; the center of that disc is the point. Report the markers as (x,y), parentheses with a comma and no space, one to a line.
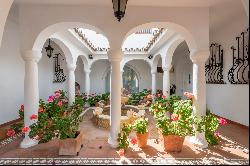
(182,31)
(62,26)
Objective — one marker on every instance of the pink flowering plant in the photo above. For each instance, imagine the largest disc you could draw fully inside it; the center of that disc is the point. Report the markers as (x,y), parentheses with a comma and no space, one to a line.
(180,119)
(209,124)
(56,119)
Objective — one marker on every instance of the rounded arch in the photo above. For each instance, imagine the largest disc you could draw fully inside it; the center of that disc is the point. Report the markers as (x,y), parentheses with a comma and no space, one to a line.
(95,61)
(168,55)
(125,62)
(85,62)
(65,49)
(51,29)
(155,62)
(182,31)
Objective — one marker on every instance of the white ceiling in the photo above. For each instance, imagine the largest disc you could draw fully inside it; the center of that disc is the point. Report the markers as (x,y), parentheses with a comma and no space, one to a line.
(177,3)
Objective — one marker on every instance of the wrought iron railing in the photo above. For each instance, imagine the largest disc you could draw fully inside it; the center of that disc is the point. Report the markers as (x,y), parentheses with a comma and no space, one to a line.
(214,65)
(239,72)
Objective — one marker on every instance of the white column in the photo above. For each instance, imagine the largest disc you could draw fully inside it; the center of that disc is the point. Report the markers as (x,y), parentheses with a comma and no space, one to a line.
(199,91)
(153,73)
(166,81)
(31,92)
(115,107)
(122,78)
(71,83)
(87,81)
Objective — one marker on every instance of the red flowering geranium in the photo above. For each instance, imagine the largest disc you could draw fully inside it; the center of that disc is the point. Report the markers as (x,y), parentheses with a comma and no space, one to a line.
(41,110)
(121,152)
(25,129)
(189,95)
(133,141)
(22,108)
(33,117)
(222,121)
(11,133)
(175,117)
(59,103)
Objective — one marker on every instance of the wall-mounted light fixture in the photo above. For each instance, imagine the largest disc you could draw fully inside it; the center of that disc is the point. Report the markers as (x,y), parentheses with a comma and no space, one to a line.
(150,56)
(90,56)
(119,7)
(49,50)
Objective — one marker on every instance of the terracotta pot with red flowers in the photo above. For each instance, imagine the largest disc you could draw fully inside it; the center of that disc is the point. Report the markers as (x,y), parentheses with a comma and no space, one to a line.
(140,126)
(56,119)
(172,130)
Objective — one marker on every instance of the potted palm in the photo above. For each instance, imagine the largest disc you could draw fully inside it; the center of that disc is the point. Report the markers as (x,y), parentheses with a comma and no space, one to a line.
(140,126)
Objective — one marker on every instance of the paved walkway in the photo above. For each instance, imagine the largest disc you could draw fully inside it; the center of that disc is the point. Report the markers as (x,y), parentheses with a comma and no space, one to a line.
(96,146)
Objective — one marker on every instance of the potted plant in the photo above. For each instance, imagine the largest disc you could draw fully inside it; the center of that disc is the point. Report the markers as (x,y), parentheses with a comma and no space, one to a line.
(173,129)
(140,126)
(56,119)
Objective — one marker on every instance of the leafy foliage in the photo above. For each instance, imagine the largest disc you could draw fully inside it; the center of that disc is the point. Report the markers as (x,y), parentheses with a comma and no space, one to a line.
(135,98)
(93,99)
(180,120)
(57,120)
(140,125)
(208,124)
(123,136)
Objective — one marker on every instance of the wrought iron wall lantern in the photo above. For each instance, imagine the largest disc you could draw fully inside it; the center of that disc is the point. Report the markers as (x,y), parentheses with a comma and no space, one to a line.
(90,56)
(150,56)
(239,72)
(49,50)
(214,65)
(119,7)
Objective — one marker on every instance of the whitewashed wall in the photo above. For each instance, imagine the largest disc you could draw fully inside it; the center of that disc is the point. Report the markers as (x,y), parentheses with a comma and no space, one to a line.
(183,67)
(229,101)
(11,74)
(97,76)
(80,75)
(144,70)
(46,73)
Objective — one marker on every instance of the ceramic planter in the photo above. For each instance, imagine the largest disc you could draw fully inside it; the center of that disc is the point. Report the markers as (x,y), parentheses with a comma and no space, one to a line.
(142,139)
(71,146)
(173,143)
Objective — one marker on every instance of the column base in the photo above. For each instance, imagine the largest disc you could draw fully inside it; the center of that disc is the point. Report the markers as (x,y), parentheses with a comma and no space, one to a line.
(199,140)
(27,142)
(112,143)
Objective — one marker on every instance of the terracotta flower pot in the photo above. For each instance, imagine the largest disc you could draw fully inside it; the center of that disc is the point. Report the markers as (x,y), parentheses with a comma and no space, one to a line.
(71,146)
(142,139)
(173,143)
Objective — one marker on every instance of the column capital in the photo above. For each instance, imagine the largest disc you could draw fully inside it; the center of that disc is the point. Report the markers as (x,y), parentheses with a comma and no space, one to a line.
(166,68)
(199,56)
(71,67)
(87,70)
(31,55)
(153,71)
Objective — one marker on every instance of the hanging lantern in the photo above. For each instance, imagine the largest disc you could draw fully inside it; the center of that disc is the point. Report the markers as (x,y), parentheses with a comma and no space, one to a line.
(119,7)
(49,50)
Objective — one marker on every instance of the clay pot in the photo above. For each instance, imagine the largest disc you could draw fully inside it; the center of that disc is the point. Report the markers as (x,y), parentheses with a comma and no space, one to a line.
(173,143)
(71,146)
(142,139)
